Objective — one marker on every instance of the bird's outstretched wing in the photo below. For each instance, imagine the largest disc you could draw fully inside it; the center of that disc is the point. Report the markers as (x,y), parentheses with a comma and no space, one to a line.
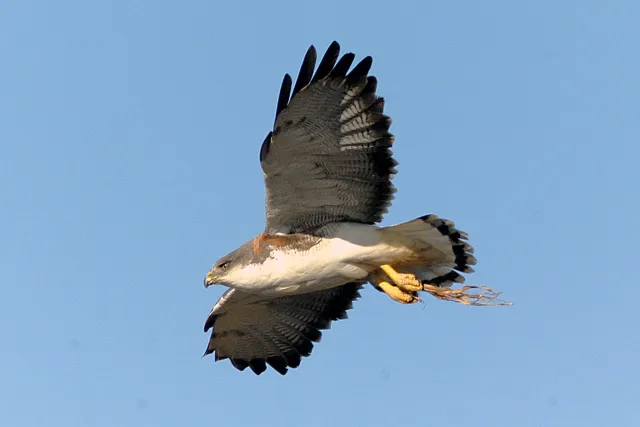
(255,332)
(328,158)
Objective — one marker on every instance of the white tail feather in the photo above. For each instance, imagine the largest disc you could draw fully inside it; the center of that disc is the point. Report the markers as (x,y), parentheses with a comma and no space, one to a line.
(443,248)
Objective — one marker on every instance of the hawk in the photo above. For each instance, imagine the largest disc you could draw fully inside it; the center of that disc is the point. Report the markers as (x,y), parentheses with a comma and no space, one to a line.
(327,168)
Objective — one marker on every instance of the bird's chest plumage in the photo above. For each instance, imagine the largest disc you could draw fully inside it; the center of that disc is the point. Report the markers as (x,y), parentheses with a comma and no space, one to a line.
(286,264)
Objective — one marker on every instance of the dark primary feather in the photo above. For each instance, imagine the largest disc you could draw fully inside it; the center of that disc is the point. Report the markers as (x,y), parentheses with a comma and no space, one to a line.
(283,97)
(359,71)
(328,61)
(276,332)
(264,149)
(306,70)
(341,68)
(328,158)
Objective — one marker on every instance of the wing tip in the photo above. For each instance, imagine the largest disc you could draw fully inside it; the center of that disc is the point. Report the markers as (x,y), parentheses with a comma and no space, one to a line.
(360,71)
(211,319)
(284,95)
(328,68)
(306,70)
(335,309)
(264,148)
(328,61)
(279,364)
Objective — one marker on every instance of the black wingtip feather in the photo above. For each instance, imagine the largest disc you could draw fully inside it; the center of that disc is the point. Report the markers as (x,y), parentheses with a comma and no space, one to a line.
(285,94)
(293,358)
(278,363)
(264,149)
(328,61)
(304,347)
(312,334)
(359,71)
(306,70)
(208,324)
(258,366)
(239,364)
(372,85)
(341,68)
(323,324)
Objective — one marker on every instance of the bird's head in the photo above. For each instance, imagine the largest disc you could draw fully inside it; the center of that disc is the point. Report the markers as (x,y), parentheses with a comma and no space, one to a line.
(219,271)
(235,268)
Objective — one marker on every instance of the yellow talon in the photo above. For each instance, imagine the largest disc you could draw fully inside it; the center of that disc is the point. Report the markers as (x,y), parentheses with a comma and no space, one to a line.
(405,287)
(406,282)
(394,292)
(397,294)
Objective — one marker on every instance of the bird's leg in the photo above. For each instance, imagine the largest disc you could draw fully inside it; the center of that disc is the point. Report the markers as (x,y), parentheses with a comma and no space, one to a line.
(407,286)
(406,282)
(394,292)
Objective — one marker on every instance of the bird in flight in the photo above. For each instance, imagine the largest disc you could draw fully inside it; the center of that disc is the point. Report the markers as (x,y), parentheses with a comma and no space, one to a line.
(327,168)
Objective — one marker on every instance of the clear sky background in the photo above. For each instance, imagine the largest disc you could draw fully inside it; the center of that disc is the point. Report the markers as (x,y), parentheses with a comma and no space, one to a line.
(129,138)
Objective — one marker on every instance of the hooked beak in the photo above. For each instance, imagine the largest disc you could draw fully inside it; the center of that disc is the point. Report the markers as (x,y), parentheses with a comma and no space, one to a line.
(210,279)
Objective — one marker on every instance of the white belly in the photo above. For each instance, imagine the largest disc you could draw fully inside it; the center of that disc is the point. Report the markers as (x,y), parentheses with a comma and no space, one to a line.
(350,254)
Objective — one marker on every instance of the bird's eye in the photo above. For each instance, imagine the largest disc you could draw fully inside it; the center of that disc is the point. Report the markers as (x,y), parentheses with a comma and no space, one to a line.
(223,265)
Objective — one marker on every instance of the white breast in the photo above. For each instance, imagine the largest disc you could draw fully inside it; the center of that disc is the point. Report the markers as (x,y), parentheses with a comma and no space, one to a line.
(351,253)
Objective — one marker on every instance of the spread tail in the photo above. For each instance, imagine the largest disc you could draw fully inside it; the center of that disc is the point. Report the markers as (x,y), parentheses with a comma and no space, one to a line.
(445,251)
(443,254)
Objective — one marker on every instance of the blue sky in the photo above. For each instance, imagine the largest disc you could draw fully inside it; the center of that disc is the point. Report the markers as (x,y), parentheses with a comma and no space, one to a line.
(129,137)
